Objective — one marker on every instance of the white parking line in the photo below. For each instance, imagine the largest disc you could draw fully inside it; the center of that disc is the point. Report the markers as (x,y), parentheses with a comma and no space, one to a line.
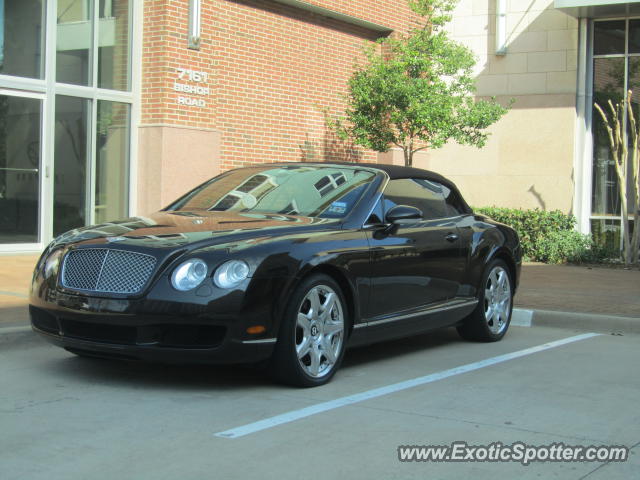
(396,387)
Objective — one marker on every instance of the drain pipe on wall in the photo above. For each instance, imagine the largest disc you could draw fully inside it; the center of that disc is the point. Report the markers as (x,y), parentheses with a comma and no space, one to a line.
(501,27)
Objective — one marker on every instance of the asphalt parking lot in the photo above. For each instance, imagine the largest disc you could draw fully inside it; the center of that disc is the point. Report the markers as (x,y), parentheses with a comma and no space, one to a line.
(63,417)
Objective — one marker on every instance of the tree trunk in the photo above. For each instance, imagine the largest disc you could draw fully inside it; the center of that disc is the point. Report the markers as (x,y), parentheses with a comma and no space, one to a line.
(621,171)
(635,244)
(408,157)
(624,221)
(620,156)
(635,174)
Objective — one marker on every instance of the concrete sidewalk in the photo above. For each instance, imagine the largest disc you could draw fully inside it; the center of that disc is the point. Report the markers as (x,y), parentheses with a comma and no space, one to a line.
(15,277)
(597,290)
(600,298)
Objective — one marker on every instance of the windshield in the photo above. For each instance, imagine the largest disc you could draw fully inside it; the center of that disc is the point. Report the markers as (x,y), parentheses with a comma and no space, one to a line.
(312,191)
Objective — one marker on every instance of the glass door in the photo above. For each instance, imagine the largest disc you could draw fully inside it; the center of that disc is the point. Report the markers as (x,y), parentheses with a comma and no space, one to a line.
(90,186)
(65,117)
(20,169)
(71,186)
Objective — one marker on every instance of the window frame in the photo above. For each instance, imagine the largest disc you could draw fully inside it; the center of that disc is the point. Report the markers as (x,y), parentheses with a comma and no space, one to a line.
(591,56)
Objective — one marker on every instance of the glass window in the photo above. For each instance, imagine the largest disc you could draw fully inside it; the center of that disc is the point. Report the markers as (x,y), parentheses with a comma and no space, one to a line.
(608,84)
(70,169)
(634,36)
(112,160)
(634,80)
(19,169)
(608,80)
(425,195)
(282,189)
(606,233)
(609,37)
(21,37)
(329,182)
(74,40)
(634,86)
(113,50)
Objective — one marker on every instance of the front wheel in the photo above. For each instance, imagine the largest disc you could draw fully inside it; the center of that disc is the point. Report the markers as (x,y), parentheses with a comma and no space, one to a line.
(490,320)
(312,336)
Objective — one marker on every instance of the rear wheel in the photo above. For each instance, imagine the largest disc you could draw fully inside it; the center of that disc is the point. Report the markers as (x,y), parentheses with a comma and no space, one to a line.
(490,320)
(312,335)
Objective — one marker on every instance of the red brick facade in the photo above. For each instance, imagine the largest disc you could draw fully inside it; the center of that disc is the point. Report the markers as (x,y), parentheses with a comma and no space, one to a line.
(270,70)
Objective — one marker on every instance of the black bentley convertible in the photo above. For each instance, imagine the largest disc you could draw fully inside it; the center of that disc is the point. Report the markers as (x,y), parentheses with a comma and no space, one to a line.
(286,264)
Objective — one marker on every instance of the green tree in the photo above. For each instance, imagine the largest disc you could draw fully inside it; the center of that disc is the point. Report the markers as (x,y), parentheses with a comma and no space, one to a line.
(416,91)
(623,131)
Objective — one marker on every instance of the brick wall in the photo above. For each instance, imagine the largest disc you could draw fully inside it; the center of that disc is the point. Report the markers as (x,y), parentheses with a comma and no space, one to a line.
(389,13)
(164,51)
(270,70)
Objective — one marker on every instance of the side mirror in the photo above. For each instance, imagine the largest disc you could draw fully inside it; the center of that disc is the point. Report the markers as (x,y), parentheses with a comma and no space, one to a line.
(403,214)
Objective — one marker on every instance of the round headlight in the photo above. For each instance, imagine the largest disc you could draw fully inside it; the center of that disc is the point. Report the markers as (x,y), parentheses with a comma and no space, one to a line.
(189,274)
(231,273)
(51,263)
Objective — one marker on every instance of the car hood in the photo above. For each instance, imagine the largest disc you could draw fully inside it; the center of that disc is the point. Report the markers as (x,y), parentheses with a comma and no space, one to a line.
(197,228)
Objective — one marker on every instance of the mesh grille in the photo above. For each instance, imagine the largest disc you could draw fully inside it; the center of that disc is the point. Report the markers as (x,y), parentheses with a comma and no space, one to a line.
(107,271)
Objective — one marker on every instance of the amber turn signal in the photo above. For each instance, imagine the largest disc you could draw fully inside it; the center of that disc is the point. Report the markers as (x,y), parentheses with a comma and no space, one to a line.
(254,330)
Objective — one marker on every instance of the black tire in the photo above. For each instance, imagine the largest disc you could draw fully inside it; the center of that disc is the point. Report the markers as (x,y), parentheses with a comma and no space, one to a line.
(477,326)
(286,366)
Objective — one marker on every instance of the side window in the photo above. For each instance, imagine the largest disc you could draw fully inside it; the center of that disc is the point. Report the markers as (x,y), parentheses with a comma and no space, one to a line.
(423,194)
(377,214)
(454,204)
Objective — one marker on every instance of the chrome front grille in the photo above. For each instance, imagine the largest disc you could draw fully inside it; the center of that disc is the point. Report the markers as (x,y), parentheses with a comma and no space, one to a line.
(107,271)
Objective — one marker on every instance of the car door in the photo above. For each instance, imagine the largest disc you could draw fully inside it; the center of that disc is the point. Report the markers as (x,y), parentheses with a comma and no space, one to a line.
(417,265)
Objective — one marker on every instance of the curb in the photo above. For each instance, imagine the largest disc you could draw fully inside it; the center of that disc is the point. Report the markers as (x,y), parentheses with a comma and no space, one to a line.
(591,322)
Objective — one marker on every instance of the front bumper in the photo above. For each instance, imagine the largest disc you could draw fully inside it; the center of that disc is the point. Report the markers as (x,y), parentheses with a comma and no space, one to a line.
(162,339)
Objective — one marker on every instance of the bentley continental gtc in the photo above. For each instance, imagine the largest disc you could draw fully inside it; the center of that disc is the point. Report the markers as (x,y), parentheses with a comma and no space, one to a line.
(284,265)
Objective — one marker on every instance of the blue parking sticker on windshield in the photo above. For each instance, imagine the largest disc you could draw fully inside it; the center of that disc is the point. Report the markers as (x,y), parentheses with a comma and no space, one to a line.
(338,207)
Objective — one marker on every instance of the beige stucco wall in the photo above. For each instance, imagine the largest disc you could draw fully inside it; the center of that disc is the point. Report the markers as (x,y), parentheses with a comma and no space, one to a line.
(528,160)
(173,160)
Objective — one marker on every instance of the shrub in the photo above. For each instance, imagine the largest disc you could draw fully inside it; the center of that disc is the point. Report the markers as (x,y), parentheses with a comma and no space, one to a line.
(563,246)
(548,236)
(532,225)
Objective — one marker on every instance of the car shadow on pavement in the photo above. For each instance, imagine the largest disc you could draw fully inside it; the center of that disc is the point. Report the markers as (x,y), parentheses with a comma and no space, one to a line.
(395,349)
(114,373)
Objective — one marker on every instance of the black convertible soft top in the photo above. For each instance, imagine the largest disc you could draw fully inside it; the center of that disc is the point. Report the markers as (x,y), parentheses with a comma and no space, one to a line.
(397,172)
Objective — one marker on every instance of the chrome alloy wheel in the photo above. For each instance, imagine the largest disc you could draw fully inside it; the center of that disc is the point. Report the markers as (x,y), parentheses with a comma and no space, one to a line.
(497,299)
(319,331)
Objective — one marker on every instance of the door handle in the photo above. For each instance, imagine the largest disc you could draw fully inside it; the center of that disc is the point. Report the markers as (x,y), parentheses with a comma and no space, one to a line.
(452,237)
